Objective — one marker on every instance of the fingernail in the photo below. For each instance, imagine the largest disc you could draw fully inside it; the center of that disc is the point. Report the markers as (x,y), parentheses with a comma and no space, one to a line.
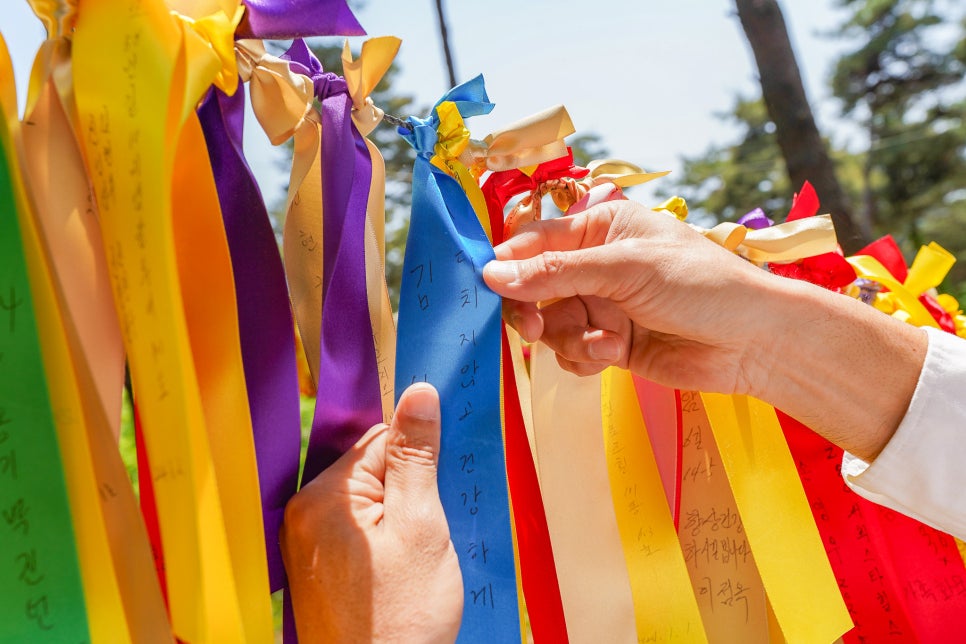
(606,349)
(503,272)
(422,402)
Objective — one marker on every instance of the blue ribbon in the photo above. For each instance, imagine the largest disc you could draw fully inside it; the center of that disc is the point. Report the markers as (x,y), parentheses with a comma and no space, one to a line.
(449,336)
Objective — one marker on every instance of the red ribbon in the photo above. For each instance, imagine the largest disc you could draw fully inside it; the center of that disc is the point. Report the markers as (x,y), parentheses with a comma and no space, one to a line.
(901,580)
(502,186)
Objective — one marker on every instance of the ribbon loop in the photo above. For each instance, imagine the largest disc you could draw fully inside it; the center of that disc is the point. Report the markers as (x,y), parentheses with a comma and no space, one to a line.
(58,16)
(530,141)
(281,98)
(216,33)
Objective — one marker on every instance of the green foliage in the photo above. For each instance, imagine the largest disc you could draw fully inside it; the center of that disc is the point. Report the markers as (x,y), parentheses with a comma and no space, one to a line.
(903,80)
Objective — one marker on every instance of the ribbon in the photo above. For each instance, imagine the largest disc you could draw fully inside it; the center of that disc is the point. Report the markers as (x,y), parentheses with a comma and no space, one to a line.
(901,580)
(44,601)
(908,298)
(664,603)
(53,158)
(774,511)
(285,19)
(265,322)
(87,350)
(361,77)
(724,574)
(595,585)
(449,335)
(170,272)
(348,401)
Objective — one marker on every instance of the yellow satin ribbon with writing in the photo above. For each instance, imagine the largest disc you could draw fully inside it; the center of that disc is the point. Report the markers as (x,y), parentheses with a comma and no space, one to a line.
(777,519)
(664,604)
(132,116)
(84,344)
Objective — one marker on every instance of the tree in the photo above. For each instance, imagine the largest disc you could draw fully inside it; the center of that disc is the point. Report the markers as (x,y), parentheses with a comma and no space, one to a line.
(803,149)
(904,82)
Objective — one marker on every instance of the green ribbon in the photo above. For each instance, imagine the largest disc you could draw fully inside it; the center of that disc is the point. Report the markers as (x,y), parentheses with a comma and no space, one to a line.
(43,600)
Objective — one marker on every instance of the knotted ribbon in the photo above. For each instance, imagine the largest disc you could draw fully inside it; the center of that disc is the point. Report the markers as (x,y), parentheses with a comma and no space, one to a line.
(449,335)
(349,399)
(908,297)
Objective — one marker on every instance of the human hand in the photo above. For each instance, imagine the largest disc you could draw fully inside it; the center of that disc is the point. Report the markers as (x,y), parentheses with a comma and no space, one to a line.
(366,544)
(638,289)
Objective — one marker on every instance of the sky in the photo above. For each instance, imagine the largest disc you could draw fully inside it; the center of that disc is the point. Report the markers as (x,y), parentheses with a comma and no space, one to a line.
(647,76)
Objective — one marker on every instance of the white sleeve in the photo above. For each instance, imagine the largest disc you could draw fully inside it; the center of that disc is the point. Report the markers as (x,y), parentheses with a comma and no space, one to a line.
(921,472)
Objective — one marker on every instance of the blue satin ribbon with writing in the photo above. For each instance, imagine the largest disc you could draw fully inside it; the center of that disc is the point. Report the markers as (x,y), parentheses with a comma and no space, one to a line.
(264,316)
(449,336)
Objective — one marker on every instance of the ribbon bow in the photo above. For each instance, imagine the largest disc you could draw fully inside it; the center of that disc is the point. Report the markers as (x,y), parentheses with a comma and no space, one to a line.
(213,34)
(908,298)
(803,247)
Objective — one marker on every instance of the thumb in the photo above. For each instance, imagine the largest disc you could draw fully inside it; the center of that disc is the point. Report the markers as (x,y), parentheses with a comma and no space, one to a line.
(412,452)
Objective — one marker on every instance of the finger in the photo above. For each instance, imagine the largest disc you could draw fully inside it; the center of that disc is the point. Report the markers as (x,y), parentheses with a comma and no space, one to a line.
(525,317)
(569,330)
(412,452)
(580,368)
(557,274)
(584,230)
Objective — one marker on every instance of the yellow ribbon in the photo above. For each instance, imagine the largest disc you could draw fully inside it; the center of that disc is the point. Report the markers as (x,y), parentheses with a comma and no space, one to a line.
(85,345)
(622,174)
(664,604)
(362,76)
(133,118)
(777,519)
(452,140)
(928,270)
(782,243)
(527,142)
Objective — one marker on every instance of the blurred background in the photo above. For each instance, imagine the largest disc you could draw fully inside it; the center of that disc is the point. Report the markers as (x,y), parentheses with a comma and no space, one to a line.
(742,99)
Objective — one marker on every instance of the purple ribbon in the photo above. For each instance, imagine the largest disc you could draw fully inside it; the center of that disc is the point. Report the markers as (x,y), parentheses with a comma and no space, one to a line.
(298,19)
(264,316)
(755,220)
(349,401)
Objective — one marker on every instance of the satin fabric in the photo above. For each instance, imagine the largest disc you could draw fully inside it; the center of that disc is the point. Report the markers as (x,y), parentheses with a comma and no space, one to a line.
(449,335)
(41,576)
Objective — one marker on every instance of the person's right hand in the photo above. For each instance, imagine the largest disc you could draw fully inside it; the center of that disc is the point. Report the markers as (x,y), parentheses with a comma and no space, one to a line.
(639,289)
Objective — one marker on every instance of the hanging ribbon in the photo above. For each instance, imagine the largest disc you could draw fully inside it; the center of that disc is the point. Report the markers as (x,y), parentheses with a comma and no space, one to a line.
(362,76)
(284,19)
(724,575)
(43,597)
(264,316)
(775,514)
(449,335)
(52,157)
(114,552)
(175,295)
(900,579)
(664,602)
(348,401)
(595,586)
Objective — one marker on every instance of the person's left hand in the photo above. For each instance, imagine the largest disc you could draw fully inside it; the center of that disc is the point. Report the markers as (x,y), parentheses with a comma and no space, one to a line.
(366,544)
